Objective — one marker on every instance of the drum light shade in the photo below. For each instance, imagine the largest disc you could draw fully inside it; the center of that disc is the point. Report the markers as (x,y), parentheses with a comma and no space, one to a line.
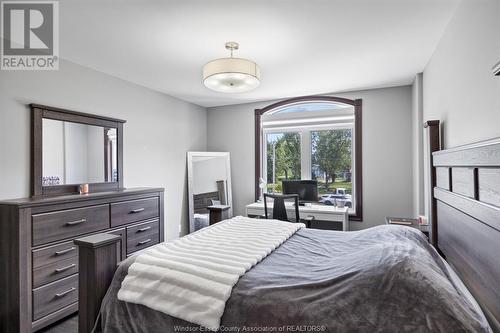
(231,75)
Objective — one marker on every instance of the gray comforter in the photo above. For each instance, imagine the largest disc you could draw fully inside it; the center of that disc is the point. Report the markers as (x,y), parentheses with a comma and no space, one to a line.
(382,279)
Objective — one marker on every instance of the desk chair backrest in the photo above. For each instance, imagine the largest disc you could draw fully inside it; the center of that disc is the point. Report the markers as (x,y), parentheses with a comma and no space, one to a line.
(279,209)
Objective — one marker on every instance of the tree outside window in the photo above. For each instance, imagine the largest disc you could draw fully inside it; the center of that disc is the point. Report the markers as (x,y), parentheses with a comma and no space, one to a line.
(331,157)
(283,159)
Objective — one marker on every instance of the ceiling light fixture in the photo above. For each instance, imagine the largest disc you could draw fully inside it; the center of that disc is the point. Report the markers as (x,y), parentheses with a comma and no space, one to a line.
(231,75)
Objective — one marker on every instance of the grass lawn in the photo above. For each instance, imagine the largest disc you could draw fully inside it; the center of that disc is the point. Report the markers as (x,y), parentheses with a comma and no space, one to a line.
(340,183)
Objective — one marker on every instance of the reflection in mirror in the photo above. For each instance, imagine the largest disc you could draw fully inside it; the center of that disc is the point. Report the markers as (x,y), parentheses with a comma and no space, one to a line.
(74,153)
(210,197)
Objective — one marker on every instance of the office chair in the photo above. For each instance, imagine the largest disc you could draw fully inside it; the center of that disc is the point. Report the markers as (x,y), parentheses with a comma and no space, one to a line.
(279,209)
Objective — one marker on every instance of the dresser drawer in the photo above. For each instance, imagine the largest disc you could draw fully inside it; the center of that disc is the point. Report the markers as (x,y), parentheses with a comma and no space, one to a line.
(55,271)
(54,296)
(134,211)
(51,254)
(142,236)
(54,226)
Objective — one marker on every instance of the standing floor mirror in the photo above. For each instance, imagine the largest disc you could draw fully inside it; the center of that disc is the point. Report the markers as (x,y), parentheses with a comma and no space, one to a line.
(209,188)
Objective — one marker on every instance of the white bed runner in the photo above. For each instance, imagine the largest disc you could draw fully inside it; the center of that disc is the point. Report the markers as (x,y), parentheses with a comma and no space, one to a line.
(192,278)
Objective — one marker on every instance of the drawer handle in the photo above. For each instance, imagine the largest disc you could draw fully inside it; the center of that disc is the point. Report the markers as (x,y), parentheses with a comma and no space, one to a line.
(76,222)
(60,270)
(144,229)
(64,293)
(144,241)
(60,253)
(135,211)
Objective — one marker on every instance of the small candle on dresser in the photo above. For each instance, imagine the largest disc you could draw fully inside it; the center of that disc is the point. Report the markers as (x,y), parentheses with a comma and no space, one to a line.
(84,189)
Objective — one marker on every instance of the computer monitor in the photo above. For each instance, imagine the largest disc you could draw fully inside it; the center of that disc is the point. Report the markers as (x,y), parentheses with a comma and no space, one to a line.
(306,189)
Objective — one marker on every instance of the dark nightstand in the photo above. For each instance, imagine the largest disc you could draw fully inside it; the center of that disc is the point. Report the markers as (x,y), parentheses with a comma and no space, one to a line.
(409,222)
(218,213)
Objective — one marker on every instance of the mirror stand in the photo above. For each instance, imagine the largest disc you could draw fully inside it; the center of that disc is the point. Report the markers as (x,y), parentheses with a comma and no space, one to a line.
(209,188)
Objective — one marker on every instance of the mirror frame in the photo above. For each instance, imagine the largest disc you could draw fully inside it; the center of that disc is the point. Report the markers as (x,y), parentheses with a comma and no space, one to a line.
(190,155)
(40,112)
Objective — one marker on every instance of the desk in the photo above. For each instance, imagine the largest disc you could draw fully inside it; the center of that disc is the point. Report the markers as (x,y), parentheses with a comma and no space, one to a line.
(321,213)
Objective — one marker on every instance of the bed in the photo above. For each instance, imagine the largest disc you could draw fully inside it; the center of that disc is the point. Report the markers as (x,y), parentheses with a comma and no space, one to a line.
(386,278)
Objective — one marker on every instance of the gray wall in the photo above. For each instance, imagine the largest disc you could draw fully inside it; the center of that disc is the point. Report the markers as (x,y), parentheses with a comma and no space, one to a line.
(417,127)
(95,154)
(206,173)
(459,88)
(158,133)
(387,159)
(76,153)
(52,149)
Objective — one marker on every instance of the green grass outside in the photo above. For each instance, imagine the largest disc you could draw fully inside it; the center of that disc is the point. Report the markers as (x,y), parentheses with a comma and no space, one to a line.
(340,183)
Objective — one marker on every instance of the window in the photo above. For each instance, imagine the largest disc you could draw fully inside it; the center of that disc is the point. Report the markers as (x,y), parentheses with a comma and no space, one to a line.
(331,165)
(313,140)
(283,158)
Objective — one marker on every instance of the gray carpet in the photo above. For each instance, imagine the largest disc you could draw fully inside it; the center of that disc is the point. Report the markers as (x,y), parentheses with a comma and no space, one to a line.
(68,325)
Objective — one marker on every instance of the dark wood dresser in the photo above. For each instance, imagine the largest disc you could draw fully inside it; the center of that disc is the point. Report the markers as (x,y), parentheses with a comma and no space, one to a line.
(39,261)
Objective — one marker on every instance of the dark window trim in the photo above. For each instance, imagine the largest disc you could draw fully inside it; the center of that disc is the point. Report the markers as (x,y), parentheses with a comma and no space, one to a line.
(358,147)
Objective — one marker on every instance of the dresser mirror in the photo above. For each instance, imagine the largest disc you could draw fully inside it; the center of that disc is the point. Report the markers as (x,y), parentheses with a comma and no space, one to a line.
(72,148)
(209,187)
(74,153)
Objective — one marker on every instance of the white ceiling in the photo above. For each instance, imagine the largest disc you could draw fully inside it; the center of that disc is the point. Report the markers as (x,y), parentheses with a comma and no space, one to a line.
(302,46)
